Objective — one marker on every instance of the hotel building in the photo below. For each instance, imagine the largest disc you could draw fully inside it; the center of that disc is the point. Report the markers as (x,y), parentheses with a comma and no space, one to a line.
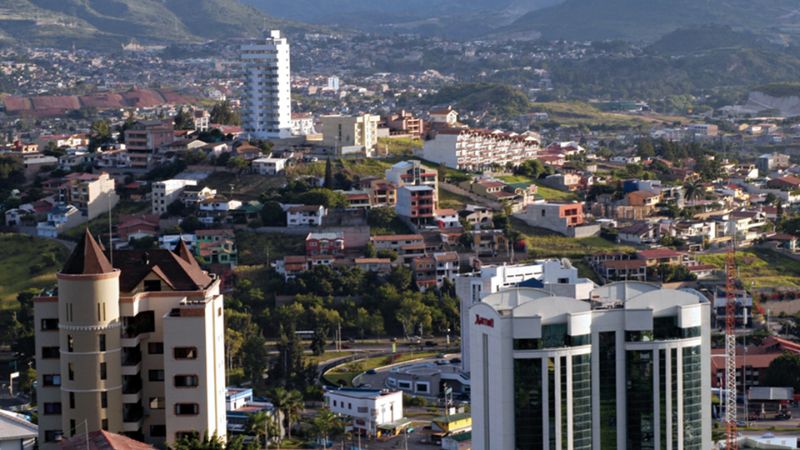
(630,370)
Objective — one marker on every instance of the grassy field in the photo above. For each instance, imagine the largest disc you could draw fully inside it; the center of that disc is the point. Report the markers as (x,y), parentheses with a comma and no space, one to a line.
(760,268)
(258,249)
(581,113)
(247,186)
(449,200)
(547,244)
(27,262)
(543,191)
(362,167)
(401,147)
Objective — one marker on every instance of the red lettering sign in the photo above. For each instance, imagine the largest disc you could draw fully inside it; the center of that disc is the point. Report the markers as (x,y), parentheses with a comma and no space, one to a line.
(484,321)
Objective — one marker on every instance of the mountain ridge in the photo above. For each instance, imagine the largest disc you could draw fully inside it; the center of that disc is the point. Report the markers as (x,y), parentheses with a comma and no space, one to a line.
(109,23)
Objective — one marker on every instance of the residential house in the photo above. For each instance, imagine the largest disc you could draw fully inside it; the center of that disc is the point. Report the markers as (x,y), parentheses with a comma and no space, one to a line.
(564,218)
(357,199)
(431,271)
(657,256)
(413,173)
(302,124)
(380,265)
(216,248)
(137,227)
(639,233)
(194,194)
(477,216)
(305,215)
(329,244)
(396,242)
(17,432)
(447,219)
(143,139)
(217,209)
(564,181)
(59,219)
(269,166)
(404,123)
(646,199)
(445,117)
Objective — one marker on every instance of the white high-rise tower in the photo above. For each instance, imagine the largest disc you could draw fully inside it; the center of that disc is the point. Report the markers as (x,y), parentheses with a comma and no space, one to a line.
(267,99)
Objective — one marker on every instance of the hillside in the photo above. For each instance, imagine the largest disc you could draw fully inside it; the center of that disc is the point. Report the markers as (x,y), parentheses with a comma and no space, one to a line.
(647,20)
(451,18)
(109,23)
(496,100)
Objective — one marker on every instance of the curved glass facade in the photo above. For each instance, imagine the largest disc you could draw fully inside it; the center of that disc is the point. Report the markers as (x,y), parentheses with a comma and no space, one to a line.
(528,404)
(639,391)
(692,399)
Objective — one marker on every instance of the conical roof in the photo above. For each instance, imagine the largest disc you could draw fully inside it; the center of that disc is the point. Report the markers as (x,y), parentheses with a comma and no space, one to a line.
(183,251)
(87,258)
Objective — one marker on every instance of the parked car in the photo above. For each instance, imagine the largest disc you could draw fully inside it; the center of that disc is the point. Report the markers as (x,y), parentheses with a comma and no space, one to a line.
(430,344)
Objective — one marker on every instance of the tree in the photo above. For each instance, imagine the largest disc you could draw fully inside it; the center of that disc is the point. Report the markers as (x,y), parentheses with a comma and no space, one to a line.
(691,191)
(325,425)
(328,184)
(263,426)
(784,371)
(290,405)
(237,163)
(414,315)
(191,224)
(324,197)
(254,361)
(183,120)
(381,217)
(222,113)
(100,133)
(272,214)
(645,148)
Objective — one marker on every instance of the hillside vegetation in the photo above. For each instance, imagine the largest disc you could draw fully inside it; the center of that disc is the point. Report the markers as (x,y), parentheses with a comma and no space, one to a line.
(495,99)
(639,20)
(109,23)
(27,262)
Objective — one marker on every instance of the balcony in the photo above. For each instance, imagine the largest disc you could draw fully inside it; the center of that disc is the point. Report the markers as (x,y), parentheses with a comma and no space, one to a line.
(131,384)
(132,412)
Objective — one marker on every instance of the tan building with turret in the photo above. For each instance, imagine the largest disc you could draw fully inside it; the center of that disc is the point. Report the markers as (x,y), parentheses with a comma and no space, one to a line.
(134,347)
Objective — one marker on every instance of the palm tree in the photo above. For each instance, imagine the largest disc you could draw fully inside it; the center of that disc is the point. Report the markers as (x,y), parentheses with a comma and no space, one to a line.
(325,424)
(691,190)
(289,404)
(262,424)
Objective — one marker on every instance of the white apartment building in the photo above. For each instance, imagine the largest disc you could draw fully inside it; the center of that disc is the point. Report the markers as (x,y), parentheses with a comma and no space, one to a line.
(475,150)
(368,408)
(134,348)
(168,191)
(269,166)
(350,134)
(556,372)
(303,124)
(92,194)
(558,277)
(267,100)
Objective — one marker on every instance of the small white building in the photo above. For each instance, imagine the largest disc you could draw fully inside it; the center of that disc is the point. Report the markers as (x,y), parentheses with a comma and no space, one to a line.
(167,191)
(269,166)
(305,215)
(16,432)
(60,218)
(368,408)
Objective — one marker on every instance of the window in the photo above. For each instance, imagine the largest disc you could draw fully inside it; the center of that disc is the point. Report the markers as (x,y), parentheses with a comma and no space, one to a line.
(187,409)
(156,402)
(404,384)
(103,371)
(155,348)
(70,343)
(51,353)
(72,427)
(52,408)
(51,380)
(53,435)
(183,381)
(185,352)
(423,387)
(158,431)
(104,424)
(152,285)
(102,342)
(71,400)
(50,325)
(70,372)
(156,375)
(104,400)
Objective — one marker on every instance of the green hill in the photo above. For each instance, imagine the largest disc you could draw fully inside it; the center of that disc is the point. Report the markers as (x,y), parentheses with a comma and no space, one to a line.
(647,20)
(109,23)
(497,100)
